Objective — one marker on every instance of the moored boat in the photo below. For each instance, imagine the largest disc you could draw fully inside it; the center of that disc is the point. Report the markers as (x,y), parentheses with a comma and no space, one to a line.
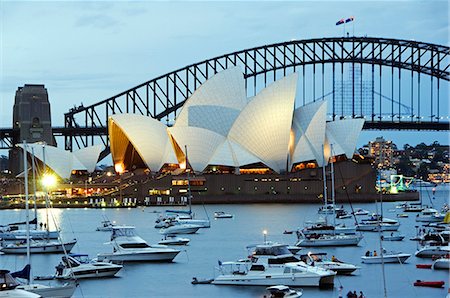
(221,214)
(72,267)
(38,247)
(430,251)
(284,291)
(432,284)
(388,257)
(442,263)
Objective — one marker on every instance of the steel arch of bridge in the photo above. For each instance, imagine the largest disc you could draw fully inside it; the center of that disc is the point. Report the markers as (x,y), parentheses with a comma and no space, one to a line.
(161,97)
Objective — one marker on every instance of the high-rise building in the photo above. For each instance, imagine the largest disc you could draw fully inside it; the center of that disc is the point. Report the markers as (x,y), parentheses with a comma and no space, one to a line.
(383,152)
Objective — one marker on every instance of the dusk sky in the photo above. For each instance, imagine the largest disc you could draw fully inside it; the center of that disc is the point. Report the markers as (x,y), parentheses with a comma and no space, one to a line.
(87,51)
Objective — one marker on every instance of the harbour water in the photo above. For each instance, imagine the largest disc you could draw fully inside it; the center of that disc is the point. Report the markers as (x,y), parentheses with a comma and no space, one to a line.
(226,241)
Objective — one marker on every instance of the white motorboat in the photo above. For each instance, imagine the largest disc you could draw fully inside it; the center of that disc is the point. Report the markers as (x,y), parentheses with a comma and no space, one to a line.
(129,247)
(8,287)
(320,260)
(202,223)
(326,229)
(294,249)
(413,208)
(392,237)
(329,209)
(72,267)
(388,257)
(38,247)
(430,215)
(270,264)
(284,291)
(429,251)
(360,211)
(180,228)
(65,291)
(376,222)
(221,214)
(106,226)
(442,263)
(174,240)
(22,234)
(329,240)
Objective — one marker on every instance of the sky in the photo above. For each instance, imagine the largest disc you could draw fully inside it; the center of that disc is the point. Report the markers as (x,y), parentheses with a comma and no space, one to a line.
(85,51)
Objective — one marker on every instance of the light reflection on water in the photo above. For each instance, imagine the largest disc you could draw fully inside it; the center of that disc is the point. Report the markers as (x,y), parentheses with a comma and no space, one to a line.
(225,241)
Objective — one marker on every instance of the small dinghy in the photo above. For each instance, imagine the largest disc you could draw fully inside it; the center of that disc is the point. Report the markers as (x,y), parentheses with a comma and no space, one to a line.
(432,284)
(196,281)
(424,266)
(174,240)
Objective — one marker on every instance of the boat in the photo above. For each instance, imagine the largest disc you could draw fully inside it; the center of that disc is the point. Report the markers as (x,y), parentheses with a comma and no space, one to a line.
(221,214)
(284,291)
(392,237)
(180,228)
(294,249)
(8,287)
(329,240)
(432,284)
(174,240)
(442,263)
(412,208)
(429,215)
(272,263)
(429,251)
(424,266)
(386,257)
(342,214)
(377,222)
(329,209)
(73,267)
(106,226)
(64,291)
(40,247)
(360,211)
(196,281)
(129,247)
(325,229)
(320,260)
(11,234)
(402,215)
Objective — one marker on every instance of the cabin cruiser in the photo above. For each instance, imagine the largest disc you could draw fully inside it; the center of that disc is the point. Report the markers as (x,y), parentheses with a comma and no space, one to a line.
(323,228)
(221,214)
(392,237)
(80,266)
(15,234)
(360,211)
(315,240)
(388,257)
(172,217)
(41,246)
(284,291)
(106,226)
(413,207)
(180,228)
(8,287)
(429,251)
(129,247)
(174,240)
(329,209)
(320,260)
(272,263)
(376,222)
(430,215)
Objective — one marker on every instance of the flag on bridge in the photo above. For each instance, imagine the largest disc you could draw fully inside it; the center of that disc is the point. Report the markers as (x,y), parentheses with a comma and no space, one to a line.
(350,19)
(340,22)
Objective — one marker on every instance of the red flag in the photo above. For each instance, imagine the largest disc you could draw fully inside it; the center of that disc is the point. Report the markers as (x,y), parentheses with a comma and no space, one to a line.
(341,21)
(350,19)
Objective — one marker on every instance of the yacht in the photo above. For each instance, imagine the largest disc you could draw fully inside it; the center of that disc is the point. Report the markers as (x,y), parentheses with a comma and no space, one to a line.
(271,264)
(284,291)
(325,229)
(360,211)
(442,263)
(129,247)
(73,266)
(42,246)
(376,222)
(430,215)
(180,228)
(174,240)
(320,260)
(12,234)
(105,226)
(328,240)
(388,257)
(8,287)
(329,209)
(221,214)
(429,251)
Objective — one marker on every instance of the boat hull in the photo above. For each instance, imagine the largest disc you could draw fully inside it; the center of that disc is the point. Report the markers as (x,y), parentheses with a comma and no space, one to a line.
(139,257)
(91,273)
(50,248)
(442,264)
(430,252)
(35,234)
(270,280)
(400,258)
(374,227)
(338,230)
(180,230)
(64,291)
(329,242)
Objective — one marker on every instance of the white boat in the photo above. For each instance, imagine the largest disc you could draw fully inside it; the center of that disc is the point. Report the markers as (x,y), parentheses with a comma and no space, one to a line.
(180,228)
(174,240)
(129,247)
(40,247)
(35,234)
(64,291)
(430,215)
(320,260)
(360,211)
(441,263)
(284,291)
(375,223)
(8,287)
(105,226)
(392,237)
(325,229)
(71,267)
(388,257)
(429,251)
(202,223)
(221,214)
(272,264)
(329,209)
(329,240)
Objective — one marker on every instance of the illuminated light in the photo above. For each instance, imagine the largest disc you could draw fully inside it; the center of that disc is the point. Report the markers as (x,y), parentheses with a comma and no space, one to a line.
(265,232)
(183,165)
(109,174)
(49,180)
(393,190)
(119,168)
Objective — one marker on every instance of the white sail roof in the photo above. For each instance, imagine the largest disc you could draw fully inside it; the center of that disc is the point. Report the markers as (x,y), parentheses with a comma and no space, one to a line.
(263,127)
(308,127)
(216,103)
(89,156)
(201,144)
(60,161)
(147,135)
(343,134)
(230,153)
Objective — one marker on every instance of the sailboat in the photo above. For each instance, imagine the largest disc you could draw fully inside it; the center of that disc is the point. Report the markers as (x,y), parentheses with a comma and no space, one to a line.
(329,239)
(31,241)
(63,291)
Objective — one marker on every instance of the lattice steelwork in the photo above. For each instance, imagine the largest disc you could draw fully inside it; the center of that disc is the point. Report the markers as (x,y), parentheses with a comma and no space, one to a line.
(408,82)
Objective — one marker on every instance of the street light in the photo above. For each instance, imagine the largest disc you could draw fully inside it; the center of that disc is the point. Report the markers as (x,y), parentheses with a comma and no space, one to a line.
(120,168)
(265,236)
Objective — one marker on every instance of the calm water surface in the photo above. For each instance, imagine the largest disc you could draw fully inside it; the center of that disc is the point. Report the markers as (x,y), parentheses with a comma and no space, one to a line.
(226,241)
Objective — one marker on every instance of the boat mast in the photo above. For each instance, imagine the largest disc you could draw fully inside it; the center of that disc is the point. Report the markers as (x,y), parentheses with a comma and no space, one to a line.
(379,219)
(33,167)
(188,180)
(324,185)
(25,173)
(333,199)
(46,192)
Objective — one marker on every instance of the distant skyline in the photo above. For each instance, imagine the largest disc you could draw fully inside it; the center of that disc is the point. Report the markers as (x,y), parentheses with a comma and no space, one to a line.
(87,51)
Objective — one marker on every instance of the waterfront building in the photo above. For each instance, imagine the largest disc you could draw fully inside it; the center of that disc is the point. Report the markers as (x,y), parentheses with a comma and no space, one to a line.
(383,152)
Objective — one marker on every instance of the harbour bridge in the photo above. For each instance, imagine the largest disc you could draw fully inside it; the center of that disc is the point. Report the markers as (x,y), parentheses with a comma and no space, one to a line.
(394,84)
